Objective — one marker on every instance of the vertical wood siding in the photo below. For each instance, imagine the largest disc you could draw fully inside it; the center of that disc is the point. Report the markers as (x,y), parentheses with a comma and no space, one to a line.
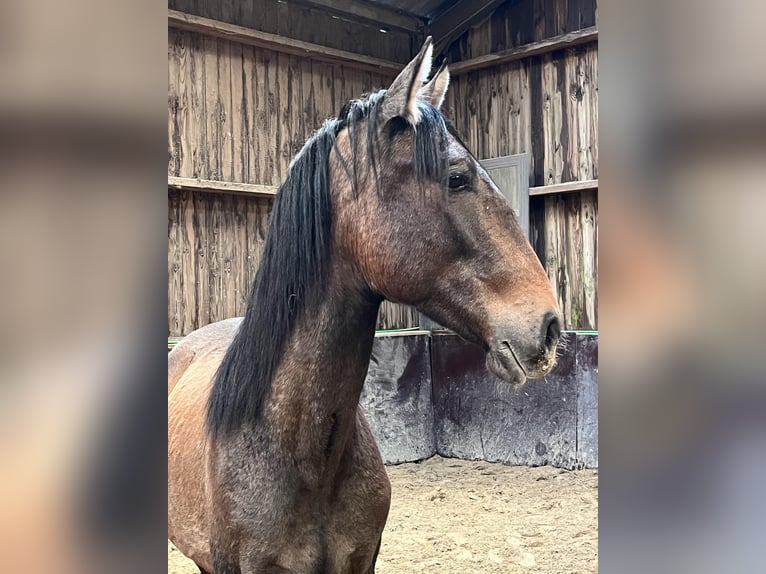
(517,22)
(300,22)
(214,248)
(239,113)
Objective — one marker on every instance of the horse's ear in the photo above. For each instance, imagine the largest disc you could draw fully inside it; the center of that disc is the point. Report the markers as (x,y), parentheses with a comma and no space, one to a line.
(401,99)
(435,90)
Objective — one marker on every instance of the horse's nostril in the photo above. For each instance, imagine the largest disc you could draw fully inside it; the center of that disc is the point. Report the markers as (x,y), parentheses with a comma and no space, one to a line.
(551,331)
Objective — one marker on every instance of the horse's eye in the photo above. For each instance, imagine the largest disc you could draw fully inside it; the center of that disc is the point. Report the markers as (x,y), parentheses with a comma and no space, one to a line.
(458,182)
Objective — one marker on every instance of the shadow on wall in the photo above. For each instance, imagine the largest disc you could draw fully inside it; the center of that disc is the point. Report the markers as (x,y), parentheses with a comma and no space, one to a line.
(429,394)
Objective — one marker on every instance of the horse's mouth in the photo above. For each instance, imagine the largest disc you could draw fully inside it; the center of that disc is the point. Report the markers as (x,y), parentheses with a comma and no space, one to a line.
(503,363)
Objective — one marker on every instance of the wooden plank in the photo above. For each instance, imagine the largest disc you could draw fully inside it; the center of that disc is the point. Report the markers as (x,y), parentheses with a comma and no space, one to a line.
(226,117)
(567,139)
(504,111)
(323,82)
(456,19)
(198,121)
(376,14)
(448,107)
(255,240)
(484,113)
(264,211)
(250,105)
(560,42)
(174,139)
(231,32)
(228,253)
(552,122)
(591,97)
(185,119)
(551,252)
(574,256)
(233,253)
(179,104)
(201,268)
(557,205)
(341,88)
(227,9)
(284,142)
(570,90)
(268,132)
(188,256)
(240,114)
(216,186)
(212,109)
(510,77)
(308,98)
(537,226)
(584,134)
(572,16)
(523,127)
(294,102)
(266,15)
(568,187)
(536,104)
(246,15)
(215,237)
(175,289)
(473,100)
(588,210)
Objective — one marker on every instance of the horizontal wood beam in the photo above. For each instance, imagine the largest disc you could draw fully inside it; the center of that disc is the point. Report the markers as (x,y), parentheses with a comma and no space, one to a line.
(456,19)
(209,185)
(569,187)
(192,23)
(568,40)
(376,14)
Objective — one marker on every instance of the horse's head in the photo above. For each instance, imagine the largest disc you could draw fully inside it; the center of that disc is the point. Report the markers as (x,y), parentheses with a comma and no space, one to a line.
(428,227)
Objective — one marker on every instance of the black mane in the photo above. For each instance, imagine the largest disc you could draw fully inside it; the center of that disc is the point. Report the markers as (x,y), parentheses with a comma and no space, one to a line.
(293,270)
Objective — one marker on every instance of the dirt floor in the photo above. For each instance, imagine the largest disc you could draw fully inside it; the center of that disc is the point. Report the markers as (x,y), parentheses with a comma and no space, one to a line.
(452,516)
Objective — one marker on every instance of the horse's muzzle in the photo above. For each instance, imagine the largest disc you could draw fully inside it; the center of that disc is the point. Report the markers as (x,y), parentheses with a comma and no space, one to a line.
(515,354)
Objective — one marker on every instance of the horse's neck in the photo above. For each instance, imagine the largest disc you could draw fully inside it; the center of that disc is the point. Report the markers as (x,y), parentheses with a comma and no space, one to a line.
(315,391)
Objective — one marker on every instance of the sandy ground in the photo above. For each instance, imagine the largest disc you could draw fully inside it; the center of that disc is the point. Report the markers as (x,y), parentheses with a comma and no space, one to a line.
(452,516)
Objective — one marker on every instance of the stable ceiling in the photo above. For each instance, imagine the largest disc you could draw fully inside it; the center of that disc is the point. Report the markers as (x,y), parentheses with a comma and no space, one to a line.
(445,20)
(426,9)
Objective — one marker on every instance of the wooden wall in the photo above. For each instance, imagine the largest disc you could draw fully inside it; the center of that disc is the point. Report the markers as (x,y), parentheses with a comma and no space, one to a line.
(518,22)
(238,113)
(547,106)
(214,247)
(300,22)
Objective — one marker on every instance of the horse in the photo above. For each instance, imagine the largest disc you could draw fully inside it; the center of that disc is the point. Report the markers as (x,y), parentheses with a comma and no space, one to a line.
(271,464)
